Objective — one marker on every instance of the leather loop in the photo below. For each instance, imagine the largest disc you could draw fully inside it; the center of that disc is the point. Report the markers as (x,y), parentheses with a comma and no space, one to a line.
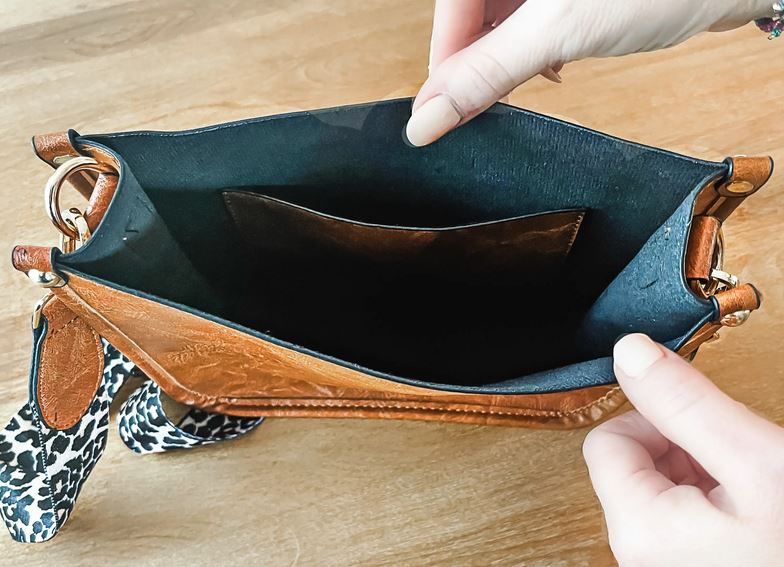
(26,258)
(745,177)
(101,197)
(54,148)
(745,297)
(702,245)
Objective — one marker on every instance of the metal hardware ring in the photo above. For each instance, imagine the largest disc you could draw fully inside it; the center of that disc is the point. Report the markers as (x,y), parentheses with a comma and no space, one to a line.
(55,183)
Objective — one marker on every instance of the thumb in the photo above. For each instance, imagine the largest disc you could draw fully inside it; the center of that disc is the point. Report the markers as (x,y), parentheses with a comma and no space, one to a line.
(727,439)
(474,78)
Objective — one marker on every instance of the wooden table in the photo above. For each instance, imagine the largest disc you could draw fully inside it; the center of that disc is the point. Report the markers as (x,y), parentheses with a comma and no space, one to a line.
(355,492)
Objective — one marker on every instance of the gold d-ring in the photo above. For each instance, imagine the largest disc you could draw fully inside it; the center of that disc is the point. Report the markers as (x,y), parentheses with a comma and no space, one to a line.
(55,183)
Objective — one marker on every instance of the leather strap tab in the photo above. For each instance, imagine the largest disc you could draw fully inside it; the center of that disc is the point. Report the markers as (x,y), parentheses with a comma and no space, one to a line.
(745,297)
(745,177)
(54,149)
(702,245)
(26,258)
(102,195)
(70,367)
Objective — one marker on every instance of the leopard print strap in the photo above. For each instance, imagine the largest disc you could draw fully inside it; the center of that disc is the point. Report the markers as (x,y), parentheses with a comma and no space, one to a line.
(42,470)
(145,427)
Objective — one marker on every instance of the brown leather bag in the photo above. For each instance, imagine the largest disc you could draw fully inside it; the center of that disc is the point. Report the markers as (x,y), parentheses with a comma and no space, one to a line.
(281,353)
(315,265)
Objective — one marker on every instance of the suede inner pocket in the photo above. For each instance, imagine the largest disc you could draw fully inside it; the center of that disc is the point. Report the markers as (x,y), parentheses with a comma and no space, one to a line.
(429,302)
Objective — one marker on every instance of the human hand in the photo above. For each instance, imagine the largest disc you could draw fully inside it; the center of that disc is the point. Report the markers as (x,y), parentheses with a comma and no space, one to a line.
(482,49)
(691,477)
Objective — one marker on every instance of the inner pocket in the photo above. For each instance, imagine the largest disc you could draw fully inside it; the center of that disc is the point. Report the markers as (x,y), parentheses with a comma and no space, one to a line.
(429,303)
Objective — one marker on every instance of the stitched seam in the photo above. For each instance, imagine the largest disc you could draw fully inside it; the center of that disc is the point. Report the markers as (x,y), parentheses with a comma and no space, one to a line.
(577,224)
(38,428)
(228,199)
(403,406)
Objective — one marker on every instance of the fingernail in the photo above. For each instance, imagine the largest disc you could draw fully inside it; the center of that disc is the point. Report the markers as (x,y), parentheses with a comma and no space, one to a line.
(432,120)
(634,354)
(619,337)
(551,75)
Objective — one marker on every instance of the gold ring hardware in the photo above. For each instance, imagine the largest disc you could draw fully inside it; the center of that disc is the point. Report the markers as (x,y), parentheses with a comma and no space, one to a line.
(74,219)
(724,279)
(54,185)
(735,319)
(39,308)
(739,188)
(721,280)
(45,279)
(718,277)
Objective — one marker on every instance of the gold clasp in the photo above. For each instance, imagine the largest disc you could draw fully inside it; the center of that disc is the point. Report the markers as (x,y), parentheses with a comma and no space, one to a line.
(39,308)
(75,220)
(721,280)
(71,224)
(53,186)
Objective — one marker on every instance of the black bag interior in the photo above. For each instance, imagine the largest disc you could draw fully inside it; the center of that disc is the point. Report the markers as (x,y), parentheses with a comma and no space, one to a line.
(467,263)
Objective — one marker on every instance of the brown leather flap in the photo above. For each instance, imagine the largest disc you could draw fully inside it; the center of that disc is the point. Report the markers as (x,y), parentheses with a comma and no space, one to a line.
(70,366)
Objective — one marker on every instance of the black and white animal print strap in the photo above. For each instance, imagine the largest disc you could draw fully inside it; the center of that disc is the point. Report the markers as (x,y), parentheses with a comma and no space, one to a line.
(42,470)
(145,427)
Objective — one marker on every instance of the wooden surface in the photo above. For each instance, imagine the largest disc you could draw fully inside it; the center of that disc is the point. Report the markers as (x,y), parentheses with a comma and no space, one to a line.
(319,492)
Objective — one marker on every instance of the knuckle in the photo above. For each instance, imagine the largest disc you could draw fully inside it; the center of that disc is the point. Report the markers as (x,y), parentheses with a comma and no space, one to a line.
(489,76)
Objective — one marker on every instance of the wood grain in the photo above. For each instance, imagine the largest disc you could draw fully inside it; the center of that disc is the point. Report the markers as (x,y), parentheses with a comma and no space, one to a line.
(321,492)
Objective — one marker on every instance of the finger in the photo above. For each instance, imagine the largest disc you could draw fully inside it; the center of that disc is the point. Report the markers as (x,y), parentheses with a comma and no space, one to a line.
(680,468)
(726,438)
(551,74)
(621,455)
(456,24)
(459,23)
(496,11)
(479,75)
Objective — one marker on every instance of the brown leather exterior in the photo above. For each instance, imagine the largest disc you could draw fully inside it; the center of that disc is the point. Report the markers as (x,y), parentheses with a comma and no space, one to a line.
(722,197)
(54,145)
(70,366)
(199,362)
(702,245)
(57,145)
(26,258)
(707,332)
(752,170)
(745,297)
(101,197)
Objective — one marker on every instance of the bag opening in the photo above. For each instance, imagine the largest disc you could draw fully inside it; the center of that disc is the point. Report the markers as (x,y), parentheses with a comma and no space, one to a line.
(467,263)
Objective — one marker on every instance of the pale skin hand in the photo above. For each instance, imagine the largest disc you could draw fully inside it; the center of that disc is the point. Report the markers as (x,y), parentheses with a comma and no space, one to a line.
(691,477)
(482,49)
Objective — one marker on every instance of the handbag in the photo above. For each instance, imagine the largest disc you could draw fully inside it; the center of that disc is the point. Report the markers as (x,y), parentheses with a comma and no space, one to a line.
(314,264)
